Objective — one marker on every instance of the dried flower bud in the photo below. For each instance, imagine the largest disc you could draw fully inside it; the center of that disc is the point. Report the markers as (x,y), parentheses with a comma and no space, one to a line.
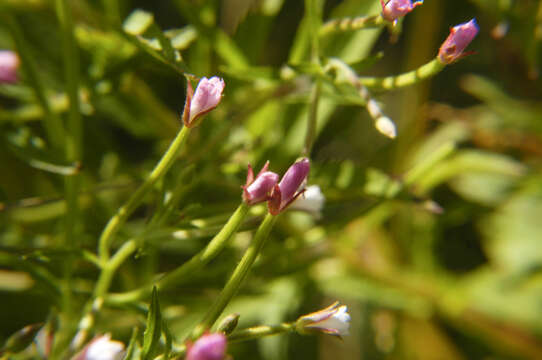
(333,320)
(208,347)
(452,49)
(257,189)
(207,97)
(311,201)
(288,189)
(102,348)
(394,9)
(9,63)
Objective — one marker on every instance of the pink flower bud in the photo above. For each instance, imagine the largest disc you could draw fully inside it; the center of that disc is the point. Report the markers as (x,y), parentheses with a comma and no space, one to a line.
(257,189)
(9,63)
(333,320)
(394,9)
(460,37)
(208,347)
(288,189)
(207,97)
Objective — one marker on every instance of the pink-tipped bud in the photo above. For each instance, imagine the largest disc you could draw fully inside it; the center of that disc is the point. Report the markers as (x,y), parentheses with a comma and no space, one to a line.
(9,63)
(206,97)
(208,347)
(289,187)
(258,189)
(395,9)
(452,49)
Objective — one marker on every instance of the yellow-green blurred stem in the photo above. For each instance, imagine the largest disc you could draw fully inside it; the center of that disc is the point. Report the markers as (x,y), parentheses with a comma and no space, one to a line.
(409,78)
(351,24)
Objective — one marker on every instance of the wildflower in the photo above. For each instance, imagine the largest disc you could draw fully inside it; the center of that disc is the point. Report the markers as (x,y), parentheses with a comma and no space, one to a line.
(333,320)
(9,63)
(460,37)
(312,201)
(206,97)
(208,347)
(102,348)
(257,189)
(394,9)
(285,192)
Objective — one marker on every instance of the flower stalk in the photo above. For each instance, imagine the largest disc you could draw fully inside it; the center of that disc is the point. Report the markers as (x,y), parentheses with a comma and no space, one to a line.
(177,276)
(351,24)
(239,274)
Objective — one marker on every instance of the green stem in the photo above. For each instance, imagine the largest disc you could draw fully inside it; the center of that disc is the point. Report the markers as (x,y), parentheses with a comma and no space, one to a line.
(409,78)
(133,202)
(73,138)
(239,274)
(351,24)
(260,331)
(52,124)
(313,118)
(198,261)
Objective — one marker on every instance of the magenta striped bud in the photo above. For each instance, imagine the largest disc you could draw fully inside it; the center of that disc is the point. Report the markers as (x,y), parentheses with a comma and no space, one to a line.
(289,187)
(207,97)
(452,49)
(258,189)
(395,9)
(208,347)
(9,63)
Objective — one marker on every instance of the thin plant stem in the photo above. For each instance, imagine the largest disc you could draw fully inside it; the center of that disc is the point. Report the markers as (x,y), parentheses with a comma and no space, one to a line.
(133,202)
(257,332)
(51,122)
(73,138)
(177,276)
(102,285)
(312,118)
(239,274)
(351,24)
(409,78)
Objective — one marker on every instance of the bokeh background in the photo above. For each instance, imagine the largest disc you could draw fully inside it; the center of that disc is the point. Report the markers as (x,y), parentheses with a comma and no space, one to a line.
(461,283)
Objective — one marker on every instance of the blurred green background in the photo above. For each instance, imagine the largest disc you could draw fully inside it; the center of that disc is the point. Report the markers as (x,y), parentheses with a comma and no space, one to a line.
(462,284)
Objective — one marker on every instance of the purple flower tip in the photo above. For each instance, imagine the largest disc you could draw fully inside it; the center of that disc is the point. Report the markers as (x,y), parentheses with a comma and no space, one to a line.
(394,9)
(206,97)
(257,190)
(9,63)
(208,347)
(452,49)
(288,189)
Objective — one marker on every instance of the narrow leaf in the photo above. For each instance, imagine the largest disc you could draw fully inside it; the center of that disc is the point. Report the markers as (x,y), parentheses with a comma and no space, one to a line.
(151,336)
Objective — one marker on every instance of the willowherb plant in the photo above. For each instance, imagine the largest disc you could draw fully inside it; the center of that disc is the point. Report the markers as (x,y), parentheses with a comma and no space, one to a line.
(78,332)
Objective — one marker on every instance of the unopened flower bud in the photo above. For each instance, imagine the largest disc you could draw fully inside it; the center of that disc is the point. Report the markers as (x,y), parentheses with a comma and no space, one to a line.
(21,339)
(333,320)
(228,324)
(289,187)
(206,97)
(208,347)
(9,63)
(395,9)
(311,201)
(386,127)
(102,348)
(258,189)
(452,49)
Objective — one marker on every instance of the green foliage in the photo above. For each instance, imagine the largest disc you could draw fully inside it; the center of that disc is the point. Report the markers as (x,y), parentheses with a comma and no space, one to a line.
(432,239)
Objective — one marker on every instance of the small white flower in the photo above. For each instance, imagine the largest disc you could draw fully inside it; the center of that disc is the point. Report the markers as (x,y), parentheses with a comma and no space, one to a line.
(333,320)
(102,348)
(311,201)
